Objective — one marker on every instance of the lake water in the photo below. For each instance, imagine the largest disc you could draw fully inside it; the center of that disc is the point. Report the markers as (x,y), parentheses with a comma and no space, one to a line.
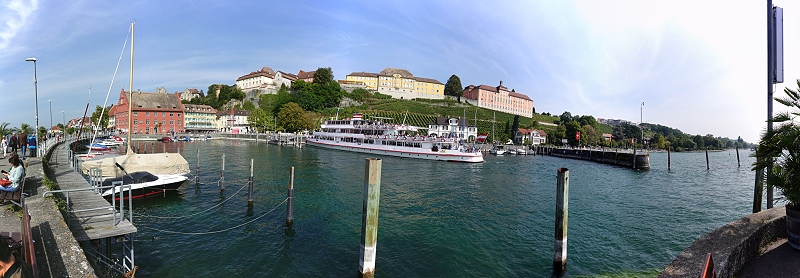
(436,219)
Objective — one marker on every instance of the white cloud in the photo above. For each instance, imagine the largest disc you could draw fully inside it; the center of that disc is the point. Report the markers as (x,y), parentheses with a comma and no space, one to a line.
(15,15)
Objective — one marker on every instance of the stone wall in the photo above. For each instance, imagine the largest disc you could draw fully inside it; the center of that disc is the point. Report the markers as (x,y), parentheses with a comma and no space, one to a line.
(731,246)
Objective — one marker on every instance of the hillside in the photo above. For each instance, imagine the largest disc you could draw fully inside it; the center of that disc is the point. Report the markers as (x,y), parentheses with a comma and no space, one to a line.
(424,111)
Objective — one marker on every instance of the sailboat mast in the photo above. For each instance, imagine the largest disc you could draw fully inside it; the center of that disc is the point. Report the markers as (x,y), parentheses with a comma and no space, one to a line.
(130,93)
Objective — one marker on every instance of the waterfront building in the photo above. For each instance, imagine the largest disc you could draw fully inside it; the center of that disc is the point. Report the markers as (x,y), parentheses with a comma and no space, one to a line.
(535,136)
(499,99)
(78,123)
(199,118)
(153,113)
(190,93)
(607,137)
(399,83)
(233,121)
(307,76)
(453,128)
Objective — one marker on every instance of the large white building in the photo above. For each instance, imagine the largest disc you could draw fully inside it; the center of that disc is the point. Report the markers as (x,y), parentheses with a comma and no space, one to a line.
(234,121)
(263,81)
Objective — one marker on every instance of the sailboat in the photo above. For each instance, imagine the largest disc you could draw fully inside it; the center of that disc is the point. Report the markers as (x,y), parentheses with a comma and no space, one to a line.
(157,164)
(498,150)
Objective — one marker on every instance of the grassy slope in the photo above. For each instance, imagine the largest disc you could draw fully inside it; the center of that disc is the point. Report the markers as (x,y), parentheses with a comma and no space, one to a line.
(422,112)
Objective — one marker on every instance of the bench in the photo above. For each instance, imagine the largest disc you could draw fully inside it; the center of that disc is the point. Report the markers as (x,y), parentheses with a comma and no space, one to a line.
(25,238)
(15,197)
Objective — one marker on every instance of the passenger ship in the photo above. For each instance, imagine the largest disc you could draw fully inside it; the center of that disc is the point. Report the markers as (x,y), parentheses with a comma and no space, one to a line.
(376,137)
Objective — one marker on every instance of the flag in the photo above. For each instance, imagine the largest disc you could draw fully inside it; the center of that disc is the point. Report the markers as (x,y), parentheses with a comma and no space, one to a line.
(578,135)
(482,137)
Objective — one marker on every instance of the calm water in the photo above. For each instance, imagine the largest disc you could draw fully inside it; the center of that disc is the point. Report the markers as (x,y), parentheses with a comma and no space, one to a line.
(437,219)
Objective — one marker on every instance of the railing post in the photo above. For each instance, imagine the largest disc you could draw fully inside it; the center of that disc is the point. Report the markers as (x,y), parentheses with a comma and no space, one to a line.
(250,185)
(369,217)
(290,198)
(562,213)
(222,175)
(197,173)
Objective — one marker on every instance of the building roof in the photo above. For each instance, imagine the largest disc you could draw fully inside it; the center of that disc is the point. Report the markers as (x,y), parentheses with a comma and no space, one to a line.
(541,132)
(265,71)
(494,89)
(154,101)
(428,80)
(233,112)
(365,74)
(287,75)
(306,74)
(392,71)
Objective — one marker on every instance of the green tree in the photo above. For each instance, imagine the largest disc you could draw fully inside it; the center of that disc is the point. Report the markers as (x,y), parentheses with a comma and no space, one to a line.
(565,117)
(291,117)
(699,142)
(556,135)
(5,130)
(249,106)
(514,125)
(323,76)
(572,127)
(590,136)
(102,123)
(659,141)
(453,87)
(260,120)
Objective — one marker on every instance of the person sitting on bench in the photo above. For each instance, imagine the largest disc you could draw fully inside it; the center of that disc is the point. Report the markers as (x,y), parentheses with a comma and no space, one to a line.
(16,175)
(10,265)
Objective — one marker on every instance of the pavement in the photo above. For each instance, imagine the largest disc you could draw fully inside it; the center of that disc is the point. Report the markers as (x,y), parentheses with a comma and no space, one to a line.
(777,260)
(58,254)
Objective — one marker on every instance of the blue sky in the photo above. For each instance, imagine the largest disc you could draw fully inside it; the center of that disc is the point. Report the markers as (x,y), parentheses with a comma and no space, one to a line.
(699,67)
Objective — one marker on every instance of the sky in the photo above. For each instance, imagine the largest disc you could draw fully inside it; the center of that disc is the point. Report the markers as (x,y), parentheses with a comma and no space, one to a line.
(698,66)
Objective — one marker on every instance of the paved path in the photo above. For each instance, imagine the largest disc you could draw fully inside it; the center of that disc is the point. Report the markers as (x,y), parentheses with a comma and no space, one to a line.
(778,260)
(58,254)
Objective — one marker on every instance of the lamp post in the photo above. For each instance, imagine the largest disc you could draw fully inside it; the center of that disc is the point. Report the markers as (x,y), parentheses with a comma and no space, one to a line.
(51,113)
(63,121)
(641,110)
(36,96)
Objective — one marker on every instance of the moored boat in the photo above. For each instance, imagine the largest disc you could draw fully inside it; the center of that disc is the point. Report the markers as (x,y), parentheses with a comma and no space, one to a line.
(375,137)
(143,184)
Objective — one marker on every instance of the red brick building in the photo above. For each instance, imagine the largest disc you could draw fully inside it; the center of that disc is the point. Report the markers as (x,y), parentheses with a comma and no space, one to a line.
(152,113)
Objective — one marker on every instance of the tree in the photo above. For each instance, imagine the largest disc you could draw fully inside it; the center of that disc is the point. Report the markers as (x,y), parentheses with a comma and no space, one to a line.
(323,76)
(249,106)
(658,141)
(259,119)
(699,141)
(292,117)
(572,128)
(565,117)
(5,130)
(453,87)
(556,135)
(102,123)
(590,136)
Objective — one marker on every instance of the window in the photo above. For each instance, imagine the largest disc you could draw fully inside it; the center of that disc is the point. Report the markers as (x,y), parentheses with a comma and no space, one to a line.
(147,122)
(163,114)
(170,114)
(146,114)
(135,114)
(163,122)
(136,122)
(171,122)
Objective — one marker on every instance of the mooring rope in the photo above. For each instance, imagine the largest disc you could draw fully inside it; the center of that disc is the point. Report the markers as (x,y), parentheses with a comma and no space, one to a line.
(196,213)
(223,230)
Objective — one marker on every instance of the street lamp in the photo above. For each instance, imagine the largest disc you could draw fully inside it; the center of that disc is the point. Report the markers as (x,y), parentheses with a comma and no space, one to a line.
(64,120)
(641,110)
(36,95)
(51,113)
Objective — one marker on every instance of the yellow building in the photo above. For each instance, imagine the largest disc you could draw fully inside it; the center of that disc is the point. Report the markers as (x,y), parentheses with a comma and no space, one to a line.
(399,83)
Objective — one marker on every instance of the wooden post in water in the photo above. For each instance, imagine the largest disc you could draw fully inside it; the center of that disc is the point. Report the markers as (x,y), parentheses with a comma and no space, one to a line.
(222,175)
(669,159)
(290,198)
(197,173)
(758,192)
(369,216)
(707,167)
(562,213)
(165,148)
(250,185)
(738,162)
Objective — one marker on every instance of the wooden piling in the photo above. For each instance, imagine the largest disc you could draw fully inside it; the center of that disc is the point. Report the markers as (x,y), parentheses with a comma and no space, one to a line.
(562,213)
(165,148)
(669,159)
(250,185)
(197,173)
(290,196)
(369,216)
(222,175)
(738,162)
(707,166)
(758,192)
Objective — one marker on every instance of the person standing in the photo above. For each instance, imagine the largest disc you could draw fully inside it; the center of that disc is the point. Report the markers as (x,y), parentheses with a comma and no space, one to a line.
(22,140)
(13,142)
(4,145)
